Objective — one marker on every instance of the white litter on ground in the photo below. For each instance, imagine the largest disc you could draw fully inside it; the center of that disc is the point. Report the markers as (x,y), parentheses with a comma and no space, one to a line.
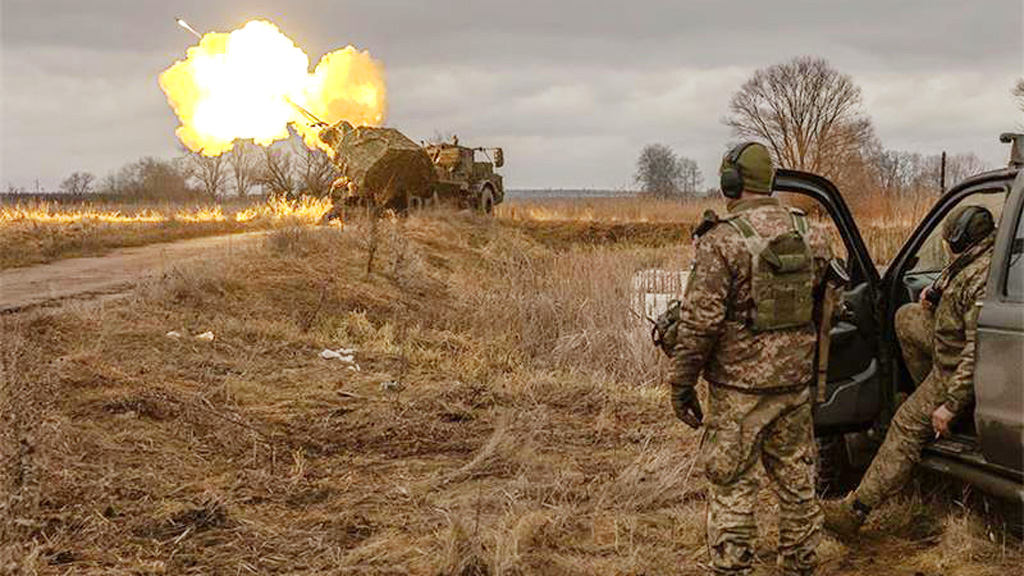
(345,355)
(205,337)
(173,334)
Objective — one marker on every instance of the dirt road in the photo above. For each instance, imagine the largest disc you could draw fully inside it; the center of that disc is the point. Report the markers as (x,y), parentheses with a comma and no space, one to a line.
(110,274)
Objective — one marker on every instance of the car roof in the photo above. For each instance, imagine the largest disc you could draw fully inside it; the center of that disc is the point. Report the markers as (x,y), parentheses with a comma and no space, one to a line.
(1009,173)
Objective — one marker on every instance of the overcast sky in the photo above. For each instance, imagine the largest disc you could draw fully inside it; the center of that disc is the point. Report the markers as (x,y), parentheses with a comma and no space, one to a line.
(571,89)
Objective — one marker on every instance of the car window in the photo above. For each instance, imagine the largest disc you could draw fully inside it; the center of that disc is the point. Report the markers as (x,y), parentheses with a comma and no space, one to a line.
(932,256)
(1015,266)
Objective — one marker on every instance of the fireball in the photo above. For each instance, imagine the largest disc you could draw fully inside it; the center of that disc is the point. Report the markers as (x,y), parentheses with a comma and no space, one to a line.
(252,82)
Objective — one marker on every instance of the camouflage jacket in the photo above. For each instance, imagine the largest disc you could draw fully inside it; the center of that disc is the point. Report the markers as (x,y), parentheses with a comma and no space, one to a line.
(956,321)
(713,331)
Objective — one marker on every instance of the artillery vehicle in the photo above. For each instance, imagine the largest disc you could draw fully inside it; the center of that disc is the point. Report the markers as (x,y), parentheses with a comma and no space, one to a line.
(381,167)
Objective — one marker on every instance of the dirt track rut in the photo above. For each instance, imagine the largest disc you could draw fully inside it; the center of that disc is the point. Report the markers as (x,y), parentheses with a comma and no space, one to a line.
(110,274)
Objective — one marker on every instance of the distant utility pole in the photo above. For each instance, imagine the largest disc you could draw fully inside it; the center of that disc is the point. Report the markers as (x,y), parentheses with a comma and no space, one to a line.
(942,174)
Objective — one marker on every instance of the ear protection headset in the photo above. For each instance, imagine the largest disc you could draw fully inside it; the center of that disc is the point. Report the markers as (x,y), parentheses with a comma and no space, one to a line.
(731,180)
(960,238)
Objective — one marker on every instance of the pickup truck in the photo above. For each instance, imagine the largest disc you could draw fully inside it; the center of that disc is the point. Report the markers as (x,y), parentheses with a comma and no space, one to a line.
(867,377)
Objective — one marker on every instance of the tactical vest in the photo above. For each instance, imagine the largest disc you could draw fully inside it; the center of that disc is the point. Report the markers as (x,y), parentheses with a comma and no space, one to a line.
(781,275)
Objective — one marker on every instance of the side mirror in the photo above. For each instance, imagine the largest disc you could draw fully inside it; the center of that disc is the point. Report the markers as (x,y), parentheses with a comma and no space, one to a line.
(1016,149)
(499,157)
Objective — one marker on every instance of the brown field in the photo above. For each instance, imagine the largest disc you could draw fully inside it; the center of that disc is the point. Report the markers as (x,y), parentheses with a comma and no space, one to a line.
(884,222)
(506,418)
(40,232)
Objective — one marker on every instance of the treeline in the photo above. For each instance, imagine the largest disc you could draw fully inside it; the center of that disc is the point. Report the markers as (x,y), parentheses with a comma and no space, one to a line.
(287,169)
(812,118)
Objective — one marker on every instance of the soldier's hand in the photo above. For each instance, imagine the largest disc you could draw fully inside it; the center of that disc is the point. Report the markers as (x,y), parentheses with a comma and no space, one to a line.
(941,419)
(687,406)
(925,298)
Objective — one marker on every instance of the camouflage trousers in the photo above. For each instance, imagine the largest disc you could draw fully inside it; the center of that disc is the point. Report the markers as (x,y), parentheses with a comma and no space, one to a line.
(915,329)
(911,427)
(775,429)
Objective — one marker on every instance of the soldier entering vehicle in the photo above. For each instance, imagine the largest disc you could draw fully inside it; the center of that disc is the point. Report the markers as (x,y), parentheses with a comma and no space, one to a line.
(939,345)
(747,322)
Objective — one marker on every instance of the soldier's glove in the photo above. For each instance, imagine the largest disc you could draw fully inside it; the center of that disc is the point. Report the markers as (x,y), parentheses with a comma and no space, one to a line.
(687,406)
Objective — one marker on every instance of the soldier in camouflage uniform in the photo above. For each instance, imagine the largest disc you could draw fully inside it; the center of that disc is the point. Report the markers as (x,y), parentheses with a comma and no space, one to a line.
(759,404)
(938,346)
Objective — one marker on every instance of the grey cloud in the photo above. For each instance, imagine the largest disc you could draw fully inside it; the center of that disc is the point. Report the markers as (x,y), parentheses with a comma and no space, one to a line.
(571,88)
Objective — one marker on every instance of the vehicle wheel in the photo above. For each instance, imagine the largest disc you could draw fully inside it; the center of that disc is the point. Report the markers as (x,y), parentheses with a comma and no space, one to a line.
(836,475)
(408,204)
(487,200)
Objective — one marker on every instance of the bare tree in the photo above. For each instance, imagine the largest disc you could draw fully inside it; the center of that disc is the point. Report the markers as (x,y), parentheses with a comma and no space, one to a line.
(658,171)
(277,172)
(1018,93)
(910,173)
(149,179)
(315,171)
(244,164)
(690,178)
(959,167)
(898,172)
(210,171)
(962,166)
(807,113)
(78,183)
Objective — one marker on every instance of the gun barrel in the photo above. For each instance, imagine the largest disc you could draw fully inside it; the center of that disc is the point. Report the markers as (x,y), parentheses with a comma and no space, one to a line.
(316,121)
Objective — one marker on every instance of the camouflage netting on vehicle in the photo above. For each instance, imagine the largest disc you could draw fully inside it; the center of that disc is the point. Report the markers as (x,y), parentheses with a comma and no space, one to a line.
(382,163)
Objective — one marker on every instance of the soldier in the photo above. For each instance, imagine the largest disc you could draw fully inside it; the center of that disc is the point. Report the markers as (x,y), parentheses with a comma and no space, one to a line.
(937,338)
(747,322)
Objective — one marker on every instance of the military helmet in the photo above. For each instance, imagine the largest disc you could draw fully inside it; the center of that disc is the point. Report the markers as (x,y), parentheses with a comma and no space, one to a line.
(967,225)
(747,168)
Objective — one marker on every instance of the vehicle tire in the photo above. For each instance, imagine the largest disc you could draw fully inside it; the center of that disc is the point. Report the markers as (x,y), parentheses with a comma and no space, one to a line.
(407,204)
(836,475)
(487,200)
(416,204)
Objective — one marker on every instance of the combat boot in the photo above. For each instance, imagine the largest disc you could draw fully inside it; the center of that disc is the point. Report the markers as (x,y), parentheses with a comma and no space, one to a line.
(844,517)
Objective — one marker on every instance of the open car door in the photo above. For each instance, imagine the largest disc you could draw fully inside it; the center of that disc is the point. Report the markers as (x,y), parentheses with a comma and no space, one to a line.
(856,392)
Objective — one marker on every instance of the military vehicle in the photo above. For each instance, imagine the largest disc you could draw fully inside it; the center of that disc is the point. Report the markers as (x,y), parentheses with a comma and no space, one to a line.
(460,177)
(382,167)
(867,377)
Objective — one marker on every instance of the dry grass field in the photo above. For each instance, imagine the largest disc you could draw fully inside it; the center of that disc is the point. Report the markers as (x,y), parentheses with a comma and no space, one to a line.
(884,222)
(40,232)
(502,414)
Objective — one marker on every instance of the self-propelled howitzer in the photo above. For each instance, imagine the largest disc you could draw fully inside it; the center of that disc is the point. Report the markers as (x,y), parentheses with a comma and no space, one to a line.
(381,167)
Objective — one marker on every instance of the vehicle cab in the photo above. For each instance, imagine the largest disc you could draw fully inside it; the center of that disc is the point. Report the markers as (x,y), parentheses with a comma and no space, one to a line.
(867,378)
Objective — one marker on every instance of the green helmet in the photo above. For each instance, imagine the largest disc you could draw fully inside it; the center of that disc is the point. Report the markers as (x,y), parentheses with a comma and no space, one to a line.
(967,225)
(754,165)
